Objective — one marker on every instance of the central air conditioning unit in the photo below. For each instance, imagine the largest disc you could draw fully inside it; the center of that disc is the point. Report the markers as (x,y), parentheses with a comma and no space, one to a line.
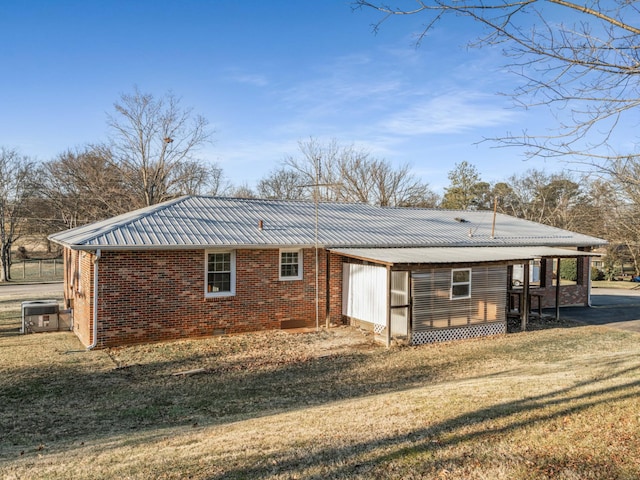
(40,316)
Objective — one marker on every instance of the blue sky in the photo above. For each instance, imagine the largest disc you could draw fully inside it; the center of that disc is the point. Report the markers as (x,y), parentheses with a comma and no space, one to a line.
(266,74)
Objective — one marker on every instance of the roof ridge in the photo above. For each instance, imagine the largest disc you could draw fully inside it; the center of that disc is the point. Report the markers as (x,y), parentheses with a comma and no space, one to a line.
(303,201)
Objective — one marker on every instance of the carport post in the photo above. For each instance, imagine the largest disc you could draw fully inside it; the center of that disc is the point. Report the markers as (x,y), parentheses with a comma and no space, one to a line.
(558,289)
(327,289)
(388,306)
(525,297)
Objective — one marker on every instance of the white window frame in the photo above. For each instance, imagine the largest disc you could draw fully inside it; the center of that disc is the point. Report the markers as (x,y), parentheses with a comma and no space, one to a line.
(300,263)
(455,284)
(232,260)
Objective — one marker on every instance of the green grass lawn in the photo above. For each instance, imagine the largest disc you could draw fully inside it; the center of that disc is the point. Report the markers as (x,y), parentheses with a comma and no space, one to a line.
(561,403)
(626,285)
(37,270)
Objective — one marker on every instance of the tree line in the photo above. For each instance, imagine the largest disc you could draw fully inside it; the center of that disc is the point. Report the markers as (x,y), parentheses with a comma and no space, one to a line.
(153,155)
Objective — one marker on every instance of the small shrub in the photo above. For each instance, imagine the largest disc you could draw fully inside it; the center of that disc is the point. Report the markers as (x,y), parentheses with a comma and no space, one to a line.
(596,274)
(21,253)
(568,269)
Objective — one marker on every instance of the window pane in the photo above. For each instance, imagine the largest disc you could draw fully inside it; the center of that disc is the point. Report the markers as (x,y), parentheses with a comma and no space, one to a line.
(289,257)
(219,262)
(289,270)
(220,282)
(460,290)
(460,276)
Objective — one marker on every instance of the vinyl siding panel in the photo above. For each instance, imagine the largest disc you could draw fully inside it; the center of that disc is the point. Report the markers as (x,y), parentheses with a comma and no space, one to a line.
(365,293)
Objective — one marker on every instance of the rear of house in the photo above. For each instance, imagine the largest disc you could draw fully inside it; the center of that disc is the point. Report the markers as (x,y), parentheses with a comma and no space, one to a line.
(201,266)
(147,296)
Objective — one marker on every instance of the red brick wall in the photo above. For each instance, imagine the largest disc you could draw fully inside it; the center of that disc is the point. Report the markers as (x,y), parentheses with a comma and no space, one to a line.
(577,294)
(78,291)
(148,296)
(335,289)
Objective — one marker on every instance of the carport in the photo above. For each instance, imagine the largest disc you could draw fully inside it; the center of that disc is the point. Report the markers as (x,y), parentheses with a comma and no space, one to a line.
(433,294)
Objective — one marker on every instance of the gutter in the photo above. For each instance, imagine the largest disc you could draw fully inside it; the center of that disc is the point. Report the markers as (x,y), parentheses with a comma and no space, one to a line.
(95,300)
(140,248)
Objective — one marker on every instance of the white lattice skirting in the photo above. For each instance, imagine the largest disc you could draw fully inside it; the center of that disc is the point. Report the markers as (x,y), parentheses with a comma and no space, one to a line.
(449,334)
(378,328)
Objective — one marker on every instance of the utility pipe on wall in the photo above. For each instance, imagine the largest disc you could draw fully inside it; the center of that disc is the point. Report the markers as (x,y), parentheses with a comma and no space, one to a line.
(95,300)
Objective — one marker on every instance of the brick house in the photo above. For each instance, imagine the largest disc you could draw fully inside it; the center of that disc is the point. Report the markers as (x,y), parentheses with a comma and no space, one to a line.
(199,266)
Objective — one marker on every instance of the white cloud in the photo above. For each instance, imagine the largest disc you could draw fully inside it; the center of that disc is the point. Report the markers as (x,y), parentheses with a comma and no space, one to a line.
(454,112)
(255,79)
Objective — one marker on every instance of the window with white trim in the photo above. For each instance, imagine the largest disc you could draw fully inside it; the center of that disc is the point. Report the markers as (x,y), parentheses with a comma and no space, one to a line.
(460,283)
(290,264)
(220,274)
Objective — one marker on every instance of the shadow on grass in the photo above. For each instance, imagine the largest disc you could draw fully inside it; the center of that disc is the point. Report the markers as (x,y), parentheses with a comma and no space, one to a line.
(77,399)
(362,460)
(143,397)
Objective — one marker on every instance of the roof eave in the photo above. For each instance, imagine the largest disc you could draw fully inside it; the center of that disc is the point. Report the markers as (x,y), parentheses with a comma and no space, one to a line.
(125,248)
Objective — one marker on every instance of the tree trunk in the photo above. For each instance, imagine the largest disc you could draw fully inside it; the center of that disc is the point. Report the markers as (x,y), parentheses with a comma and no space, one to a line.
(5,262)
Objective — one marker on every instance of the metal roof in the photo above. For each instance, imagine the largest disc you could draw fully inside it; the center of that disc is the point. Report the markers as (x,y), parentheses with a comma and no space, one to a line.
(198,221)
(441,255)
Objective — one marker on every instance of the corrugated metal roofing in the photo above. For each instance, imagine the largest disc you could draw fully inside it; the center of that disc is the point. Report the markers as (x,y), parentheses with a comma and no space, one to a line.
(435,255)
(195,221)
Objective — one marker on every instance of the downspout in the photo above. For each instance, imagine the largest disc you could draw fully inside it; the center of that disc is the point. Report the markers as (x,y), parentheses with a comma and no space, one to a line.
(95,300)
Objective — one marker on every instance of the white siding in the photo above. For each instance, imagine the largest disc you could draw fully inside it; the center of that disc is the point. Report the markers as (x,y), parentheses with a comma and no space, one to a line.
(364,293)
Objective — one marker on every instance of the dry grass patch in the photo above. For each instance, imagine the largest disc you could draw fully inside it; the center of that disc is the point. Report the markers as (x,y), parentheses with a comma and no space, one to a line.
(556,403)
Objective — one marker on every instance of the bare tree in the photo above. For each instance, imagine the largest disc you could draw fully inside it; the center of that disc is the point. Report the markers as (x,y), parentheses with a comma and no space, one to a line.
(242,191)
(284,184)
(318,168)
(196,178)
(593,213)
(587,69)
(82,186)
(217,183)
(348,174)
(377,182)
(556,199)
(16,172)
(155,142)
(517,195)
(623,188)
